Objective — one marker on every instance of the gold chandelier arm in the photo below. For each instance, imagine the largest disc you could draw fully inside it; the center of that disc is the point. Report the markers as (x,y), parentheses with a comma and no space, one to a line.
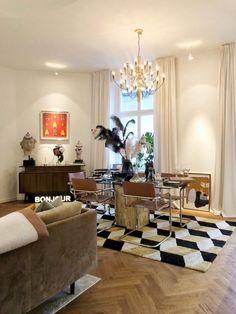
(159,86)
(139,80)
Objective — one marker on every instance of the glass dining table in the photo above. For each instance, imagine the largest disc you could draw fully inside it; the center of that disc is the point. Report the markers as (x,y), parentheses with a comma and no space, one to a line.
(172,188)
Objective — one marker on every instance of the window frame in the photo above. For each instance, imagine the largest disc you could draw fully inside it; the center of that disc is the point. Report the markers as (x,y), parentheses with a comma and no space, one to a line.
(116,158)
(138,113)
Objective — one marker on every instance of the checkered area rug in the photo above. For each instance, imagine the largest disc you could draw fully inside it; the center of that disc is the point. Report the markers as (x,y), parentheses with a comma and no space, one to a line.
(194,246)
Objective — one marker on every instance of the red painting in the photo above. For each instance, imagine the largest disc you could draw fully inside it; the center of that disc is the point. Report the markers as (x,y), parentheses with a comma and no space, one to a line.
(54,125)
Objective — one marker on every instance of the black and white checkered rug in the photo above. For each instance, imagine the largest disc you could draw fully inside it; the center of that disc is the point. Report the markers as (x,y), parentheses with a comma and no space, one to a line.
(194,246)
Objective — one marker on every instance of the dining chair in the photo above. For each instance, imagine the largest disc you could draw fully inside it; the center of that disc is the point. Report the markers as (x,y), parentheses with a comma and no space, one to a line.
(178,195)
(75,175)
(144,195)
(89,192)
(78,175)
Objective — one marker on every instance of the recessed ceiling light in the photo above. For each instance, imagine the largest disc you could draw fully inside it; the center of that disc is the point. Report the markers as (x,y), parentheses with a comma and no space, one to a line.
(55,65)
(56,73)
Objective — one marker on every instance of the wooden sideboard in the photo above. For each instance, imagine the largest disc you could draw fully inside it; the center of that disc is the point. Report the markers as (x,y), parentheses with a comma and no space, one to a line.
(46,179)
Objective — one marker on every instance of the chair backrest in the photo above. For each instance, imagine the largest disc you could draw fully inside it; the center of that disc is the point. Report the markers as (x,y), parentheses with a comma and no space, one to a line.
(169,174)
(117,167)
(84,184)
(77,175)
(140,189)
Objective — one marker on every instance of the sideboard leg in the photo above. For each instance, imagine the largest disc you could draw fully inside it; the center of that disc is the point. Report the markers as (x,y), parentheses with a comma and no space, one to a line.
(72,288)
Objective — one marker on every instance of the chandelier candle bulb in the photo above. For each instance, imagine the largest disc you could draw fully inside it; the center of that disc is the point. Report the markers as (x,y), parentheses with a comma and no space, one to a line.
(139,80)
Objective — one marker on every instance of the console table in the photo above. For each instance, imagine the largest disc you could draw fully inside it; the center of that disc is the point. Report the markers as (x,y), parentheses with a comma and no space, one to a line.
(46,179)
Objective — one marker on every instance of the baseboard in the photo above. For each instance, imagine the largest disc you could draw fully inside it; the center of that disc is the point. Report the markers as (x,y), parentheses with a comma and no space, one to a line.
(6,200)
(215,212)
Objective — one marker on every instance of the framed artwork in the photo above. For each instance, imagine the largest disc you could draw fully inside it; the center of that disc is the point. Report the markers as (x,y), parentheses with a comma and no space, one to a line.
(54,125)
(198,192)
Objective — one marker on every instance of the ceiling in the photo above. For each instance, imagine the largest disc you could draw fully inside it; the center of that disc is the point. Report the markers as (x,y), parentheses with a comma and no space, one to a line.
(88,35)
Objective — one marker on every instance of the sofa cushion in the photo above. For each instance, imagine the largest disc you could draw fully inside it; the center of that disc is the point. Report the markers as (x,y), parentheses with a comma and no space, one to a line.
(57,201)
(49,205)
(20,228)
(61,212)
(43,206)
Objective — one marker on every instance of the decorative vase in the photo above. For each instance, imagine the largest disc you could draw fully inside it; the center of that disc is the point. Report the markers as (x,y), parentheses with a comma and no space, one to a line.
(148,164)
(127,169)
(136,177)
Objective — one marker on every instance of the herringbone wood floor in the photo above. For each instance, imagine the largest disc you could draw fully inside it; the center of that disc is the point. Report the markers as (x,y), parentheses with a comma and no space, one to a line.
(132,284)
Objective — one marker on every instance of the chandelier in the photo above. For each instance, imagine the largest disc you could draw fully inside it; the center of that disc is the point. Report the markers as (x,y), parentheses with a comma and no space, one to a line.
(139,80)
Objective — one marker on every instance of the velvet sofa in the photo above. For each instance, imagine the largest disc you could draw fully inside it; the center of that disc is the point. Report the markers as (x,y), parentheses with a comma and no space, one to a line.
(31,274)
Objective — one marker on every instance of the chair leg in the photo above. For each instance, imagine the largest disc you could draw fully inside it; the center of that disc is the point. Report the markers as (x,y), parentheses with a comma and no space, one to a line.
(158,209)
(181,205)
(101,211)
(107,228)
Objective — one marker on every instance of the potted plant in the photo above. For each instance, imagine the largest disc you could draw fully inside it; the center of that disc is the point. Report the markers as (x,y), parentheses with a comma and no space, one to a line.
(145,158)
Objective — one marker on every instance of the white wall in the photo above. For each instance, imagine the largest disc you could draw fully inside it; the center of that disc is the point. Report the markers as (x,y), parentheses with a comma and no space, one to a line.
(8,142)
(36,91)
(42,91)
(197,110)
(23,95)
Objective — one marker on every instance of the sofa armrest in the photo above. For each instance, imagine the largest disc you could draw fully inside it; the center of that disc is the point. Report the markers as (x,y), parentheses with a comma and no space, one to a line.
(68,254)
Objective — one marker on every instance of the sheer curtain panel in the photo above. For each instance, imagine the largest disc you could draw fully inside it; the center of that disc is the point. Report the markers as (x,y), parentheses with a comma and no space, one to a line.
(100,115)
(224,197)
(165,124)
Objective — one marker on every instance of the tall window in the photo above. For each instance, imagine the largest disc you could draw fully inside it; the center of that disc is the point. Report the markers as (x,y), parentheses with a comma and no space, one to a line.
(141,113)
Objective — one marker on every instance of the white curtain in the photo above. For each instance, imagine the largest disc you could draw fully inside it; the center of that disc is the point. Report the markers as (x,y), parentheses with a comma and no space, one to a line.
(224,197)
(165,124)
(115,100)
(100,116)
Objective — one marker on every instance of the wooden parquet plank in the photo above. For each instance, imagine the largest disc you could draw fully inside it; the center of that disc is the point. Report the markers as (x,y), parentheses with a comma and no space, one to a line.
(164,288)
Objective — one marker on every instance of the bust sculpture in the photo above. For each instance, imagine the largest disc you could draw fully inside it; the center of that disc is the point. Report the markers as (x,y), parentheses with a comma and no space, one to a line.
(78,151)
(28,144)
